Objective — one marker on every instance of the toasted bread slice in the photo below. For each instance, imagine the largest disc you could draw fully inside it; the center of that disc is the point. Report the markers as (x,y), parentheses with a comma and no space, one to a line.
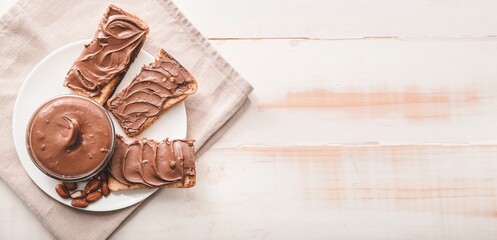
(97,72)
(146,163)
(115,185)
(158,87)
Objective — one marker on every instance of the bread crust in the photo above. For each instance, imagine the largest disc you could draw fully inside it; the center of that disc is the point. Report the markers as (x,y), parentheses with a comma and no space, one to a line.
(187,182)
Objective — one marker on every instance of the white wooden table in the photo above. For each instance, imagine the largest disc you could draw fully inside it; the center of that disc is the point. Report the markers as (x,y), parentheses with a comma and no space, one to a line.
(369,120)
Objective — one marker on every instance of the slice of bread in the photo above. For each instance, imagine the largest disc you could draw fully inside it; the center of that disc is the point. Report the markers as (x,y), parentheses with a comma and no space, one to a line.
(161,73)
(146,163)
(105,91)
(115,185)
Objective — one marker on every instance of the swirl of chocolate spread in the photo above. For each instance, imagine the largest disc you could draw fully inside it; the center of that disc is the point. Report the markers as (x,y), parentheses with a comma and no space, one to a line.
(70,136)
(145,96)
(152,163)
(108,55)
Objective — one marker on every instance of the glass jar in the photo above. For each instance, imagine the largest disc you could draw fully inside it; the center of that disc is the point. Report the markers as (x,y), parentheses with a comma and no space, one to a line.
(70,138)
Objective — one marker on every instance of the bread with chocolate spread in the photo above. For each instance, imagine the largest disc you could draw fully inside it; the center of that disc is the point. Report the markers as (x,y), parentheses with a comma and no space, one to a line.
(159,86)
(146,163)
(106,59)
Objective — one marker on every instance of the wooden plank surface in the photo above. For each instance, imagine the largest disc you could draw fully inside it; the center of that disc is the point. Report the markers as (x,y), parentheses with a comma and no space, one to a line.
(339,192)
(342,19)
(384,91)
(369,120)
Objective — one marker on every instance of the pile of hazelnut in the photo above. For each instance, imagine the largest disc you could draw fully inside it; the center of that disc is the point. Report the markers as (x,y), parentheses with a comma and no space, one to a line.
(90,194)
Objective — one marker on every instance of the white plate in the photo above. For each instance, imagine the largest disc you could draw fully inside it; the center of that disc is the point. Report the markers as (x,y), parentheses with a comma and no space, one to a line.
(44,82)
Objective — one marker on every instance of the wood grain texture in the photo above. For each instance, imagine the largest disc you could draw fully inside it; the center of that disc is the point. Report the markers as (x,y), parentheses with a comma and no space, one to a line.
(342,19)
(383,91)
(322,192)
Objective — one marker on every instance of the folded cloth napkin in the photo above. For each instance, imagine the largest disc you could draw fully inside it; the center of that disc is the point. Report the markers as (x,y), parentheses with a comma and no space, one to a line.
(34,28)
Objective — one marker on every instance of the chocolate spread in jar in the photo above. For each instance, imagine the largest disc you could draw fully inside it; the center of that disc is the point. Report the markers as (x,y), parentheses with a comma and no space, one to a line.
(70,136)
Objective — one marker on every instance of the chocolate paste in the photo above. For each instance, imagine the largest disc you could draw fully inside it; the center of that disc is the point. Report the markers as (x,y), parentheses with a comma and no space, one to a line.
(152,163)
(145,96)
(70,136)
(116,43)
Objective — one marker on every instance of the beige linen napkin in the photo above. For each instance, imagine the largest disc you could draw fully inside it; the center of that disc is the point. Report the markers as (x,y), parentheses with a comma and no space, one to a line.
(34,28)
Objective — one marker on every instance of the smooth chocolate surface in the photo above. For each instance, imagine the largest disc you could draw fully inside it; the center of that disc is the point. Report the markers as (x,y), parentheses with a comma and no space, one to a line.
(70,136)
